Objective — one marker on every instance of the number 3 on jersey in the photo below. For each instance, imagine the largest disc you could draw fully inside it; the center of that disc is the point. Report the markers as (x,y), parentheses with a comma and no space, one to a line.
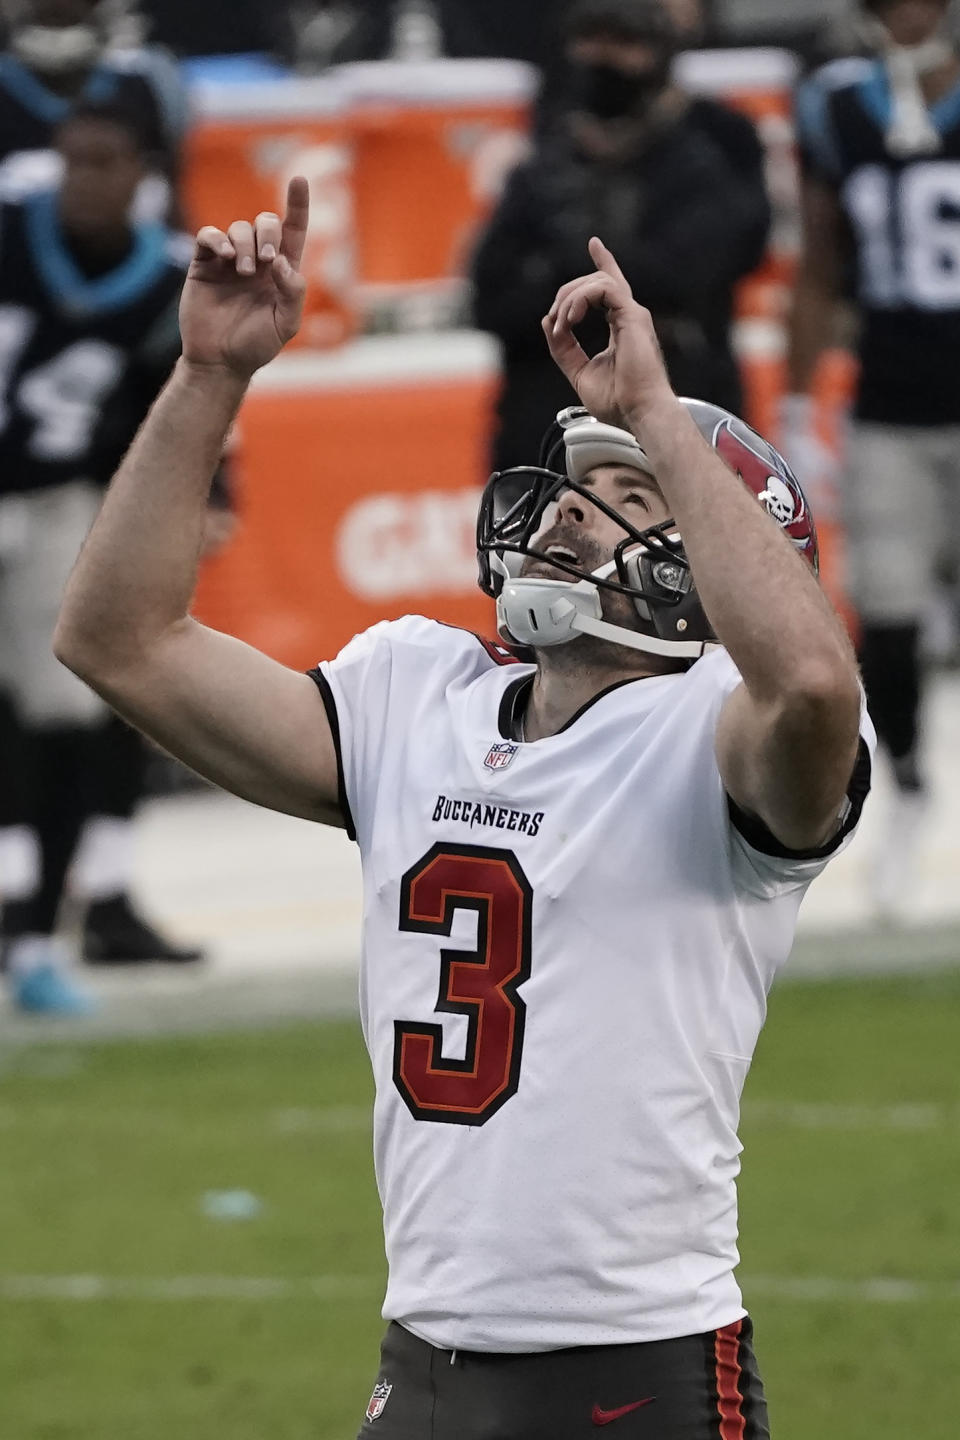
(480,984)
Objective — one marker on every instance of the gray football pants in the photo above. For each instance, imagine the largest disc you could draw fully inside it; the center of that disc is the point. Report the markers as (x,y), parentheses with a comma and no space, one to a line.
(40,537)
(901,512)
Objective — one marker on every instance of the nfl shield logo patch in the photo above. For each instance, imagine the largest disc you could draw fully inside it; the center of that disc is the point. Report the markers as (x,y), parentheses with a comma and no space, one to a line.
(378,1400)
(499,756)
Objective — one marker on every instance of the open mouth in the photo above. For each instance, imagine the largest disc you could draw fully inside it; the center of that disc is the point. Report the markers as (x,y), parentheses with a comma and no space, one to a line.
(562,553)
(557,561)
(554,562)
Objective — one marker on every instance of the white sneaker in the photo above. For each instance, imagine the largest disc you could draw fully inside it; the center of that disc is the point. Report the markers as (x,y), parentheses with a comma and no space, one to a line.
(893,872)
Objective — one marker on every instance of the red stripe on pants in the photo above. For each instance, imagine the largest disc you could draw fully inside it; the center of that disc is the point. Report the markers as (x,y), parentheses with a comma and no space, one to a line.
(733,1425)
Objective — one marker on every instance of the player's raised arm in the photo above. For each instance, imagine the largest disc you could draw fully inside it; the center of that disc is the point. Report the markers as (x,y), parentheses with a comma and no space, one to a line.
(228,711)
(788,738)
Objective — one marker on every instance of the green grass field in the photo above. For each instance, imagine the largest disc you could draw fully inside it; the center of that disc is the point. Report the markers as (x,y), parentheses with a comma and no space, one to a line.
(198,1328)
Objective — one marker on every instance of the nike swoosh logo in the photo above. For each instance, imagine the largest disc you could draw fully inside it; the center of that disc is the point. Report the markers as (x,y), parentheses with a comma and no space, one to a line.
(607,1417)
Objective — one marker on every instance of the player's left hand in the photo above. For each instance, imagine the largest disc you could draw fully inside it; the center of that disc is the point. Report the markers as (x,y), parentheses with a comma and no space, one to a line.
(621,384)
(244,295)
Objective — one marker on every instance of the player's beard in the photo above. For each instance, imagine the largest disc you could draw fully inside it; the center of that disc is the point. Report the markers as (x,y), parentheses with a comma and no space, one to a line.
(589,654)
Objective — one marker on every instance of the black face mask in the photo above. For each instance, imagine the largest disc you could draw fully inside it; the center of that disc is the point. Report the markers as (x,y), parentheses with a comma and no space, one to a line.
(610,93)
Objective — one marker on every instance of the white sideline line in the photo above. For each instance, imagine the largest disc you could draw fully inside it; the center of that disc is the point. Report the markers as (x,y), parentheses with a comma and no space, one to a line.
(325,1120)
(833,1116)
(876,1290)
(86,1288)
(318,1120)
(801,1115)
(798,1114)
(180,1288)
(351,1119)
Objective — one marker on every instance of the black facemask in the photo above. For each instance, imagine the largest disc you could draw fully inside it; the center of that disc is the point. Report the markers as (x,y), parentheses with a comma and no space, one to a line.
(610,93)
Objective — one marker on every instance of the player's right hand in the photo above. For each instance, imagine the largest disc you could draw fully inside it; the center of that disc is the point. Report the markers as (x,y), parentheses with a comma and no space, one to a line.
(244,295)
(628,379)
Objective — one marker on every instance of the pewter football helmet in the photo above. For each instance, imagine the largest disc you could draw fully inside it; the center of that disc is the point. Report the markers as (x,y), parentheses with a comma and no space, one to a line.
(649,565)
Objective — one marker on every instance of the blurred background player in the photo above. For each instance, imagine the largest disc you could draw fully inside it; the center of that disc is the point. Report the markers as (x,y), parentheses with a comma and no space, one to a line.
(88,335)
(675,184)
(880,140)
(60,53)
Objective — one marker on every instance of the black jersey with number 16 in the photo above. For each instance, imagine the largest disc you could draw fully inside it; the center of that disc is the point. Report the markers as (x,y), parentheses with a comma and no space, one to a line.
(903,215)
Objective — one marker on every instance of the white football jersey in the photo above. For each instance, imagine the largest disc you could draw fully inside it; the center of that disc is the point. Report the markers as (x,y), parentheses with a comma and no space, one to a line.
(566,956)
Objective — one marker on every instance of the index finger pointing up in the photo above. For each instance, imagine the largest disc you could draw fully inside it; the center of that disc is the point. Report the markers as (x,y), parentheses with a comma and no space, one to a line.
(604,258)
(296,221)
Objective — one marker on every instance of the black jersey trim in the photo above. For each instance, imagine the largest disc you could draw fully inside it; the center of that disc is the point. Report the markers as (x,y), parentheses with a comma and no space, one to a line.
(512,702)
(759,837)
(330,705)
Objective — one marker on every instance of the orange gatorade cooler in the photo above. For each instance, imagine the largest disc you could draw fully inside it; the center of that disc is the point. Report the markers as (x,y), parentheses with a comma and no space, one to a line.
(248,140)
(434,142)
(360,476)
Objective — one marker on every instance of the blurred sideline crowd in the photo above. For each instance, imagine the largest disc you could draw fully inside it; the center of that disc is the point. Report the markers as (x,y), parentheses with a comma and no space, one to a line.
(94,111)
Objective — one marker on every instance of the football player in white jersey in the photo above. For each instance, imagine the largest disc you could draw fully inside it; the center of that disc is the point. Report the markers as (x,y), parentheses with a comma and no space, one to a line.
(581,874)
